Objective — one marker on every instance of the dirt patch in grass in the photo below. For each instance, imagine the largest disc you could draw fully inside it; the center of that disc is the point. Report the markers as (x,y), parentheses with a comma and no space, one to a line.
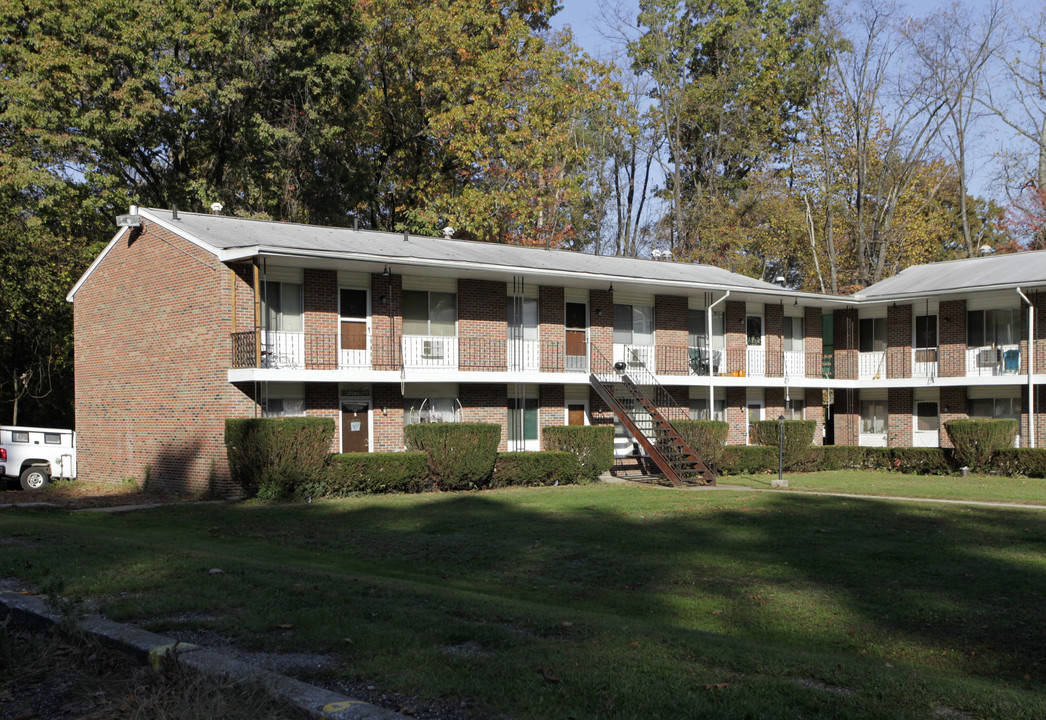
(75,495)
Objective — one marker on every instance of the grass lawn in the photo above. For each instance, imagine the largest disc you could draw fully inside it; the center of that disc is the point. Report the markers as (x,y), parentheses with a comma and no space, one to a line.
(980,488)
(603,601)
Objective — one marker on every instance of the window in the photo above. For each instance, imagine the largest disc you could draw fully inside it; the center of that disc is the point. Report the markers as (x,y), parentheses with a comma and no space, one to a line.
(926,331)
(20,437)
(699,409)
(281,306)
(793,331)
(926,419)
(52,439)
(992,327)
(873,417)
(698,319)
(430,313)
(988,408)
(432,409)
(633,324)
(873,334)
(576,316)
(793,409)
(353,303)
(754,327)
(522,419)
(283,407)
(523,318)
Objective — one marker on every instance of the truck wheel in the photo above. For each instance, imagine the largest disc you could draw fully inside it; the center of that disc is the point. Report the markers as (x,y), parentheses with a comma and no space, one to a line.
(34,477)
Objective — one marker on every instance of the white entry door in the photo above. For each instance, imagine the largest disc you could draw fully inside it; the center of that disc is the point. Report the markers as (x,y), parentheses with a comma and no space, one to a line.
(927,424)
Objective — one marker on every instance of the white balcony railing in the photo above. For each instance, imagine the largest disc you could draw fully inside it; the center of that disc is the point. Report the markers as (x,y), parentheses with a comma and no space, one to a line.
(794,363)
(524,355)
(282,349)
(634,355)
(755,362)
(871,365)
(428,352)
(998,360)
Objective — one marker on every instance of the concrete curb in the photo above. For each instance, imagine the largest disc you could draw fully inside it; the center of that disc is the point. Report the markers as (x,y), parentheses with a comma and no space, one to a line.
(148,647)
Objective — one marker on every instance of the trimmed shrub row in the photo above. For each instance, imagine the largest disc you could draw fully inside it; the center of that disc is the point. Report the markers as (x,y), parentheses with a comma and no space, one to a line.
(271,457)
(707,438)
(404,472)
(592,445)
(548,467)
(976,441)
(796,443)
(461,455)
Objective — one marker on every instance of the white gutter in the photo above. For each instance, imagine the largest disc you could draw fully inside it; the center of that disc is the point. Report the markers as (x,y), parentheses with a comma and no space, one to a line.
(1031,368)
(711,361)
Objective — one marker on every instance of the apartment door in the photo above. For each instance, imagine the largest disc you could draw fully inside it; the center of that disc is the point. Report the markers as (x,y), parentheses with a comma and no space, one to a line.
(755,414)
(355,426)
(927,425)
(353,341)
(755,357)
(576,323)
(576,414)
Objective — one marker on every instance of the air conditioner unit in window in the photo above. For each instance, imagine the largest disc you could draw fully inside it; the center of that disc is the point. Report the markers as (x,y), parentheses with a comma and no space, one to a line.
(432,350)
(989,357)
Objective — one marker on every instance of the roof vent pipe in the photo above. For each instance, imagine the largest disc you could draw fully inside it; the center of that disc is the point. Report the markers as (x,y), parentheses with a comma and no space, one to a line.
(174,212)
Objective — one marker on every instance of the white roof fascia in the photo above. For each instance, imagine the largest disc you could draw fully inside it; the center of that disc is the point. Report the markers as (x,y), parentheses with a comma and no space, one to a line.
(898,297)
(171,225)
(247,253)
(97,261)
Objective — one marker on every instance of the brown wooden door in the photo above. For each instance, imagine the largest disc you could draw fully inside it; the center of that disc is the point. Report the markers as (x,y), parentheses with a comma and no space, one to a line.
(355,431)
(353,335)
(575,414)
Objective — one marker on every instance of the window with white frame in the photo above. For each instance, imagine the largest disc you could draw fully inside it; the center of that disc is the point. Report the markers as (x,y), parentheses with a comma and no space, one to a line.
(699,409)
(793,332)
(523,318)
(282,306)
(522,420)
(992,327)
(794,409)
(873,417)
(698,321)
(633,324)
(1008,408)
(283,400)
(430,312)
(872,334)
(430,409)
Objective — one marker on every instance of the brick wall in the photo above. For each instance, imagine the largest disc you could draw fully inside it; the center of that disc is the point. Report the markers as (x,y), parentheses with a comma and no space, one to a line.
(845,330)
(322,400)
(601,319)
(736,336)
(672,335)
(486,404)
(388,417)
(952,407)
(899,342)
(482,324)
(152,347)
(551,320)
(320,318)
(847,417)
(815,411)
(386,321)
(737,415)
(952,362)
(773,315)
(552,410)
(774,400)
(813,343)
(899,408)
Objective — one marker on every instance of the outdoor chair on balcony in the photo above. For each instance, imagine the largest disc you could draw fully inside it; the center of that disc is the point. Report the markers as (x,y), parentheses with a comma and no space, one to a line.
(699,361)
(1011,361)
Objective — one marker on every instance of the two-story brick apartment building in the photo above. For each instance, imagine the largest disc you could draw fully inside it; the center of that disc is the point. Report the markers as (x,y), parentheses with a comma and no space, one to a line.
(187,319)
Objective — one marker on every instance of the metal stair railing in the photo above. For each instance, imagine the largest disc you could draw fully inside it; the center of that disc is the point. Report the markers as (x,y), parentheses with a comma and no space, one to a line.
(618,384)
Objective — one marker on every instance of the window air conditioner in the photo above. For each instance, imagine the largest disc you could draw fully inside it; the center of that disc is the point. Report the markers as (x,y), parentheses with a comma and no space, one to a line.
(988,357)
(432,349)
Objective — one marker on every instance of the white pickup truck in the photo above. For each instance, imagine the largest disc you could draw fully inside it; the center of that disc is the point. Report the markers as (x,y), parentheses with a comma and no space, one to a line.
(35,455)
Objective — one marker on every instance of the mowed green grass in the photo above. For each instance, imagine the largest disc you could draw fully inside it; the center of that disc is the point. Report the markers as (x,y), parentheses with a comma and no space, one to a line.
(603,601)
(977,488)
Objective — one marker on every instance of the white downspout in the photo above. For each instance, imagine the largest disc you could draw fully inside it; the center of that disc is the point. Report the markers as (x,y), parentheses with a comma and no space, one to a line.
(711,359)
(1031,369)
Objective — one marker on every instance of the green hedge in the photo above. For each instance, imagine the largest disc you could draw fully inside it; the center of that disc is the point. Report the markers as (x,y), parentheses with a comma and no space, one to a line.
(977,440)
(1029,462)
(349,473)
(549,467)
(461,455)
(749,460)
(707,438)
(272,457)
(798,438)
(592,444)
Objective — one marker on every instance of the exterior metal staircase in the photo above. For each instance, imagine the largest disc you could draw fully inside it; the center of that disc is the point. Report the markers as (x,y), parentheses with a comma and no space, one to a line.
(618,384)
